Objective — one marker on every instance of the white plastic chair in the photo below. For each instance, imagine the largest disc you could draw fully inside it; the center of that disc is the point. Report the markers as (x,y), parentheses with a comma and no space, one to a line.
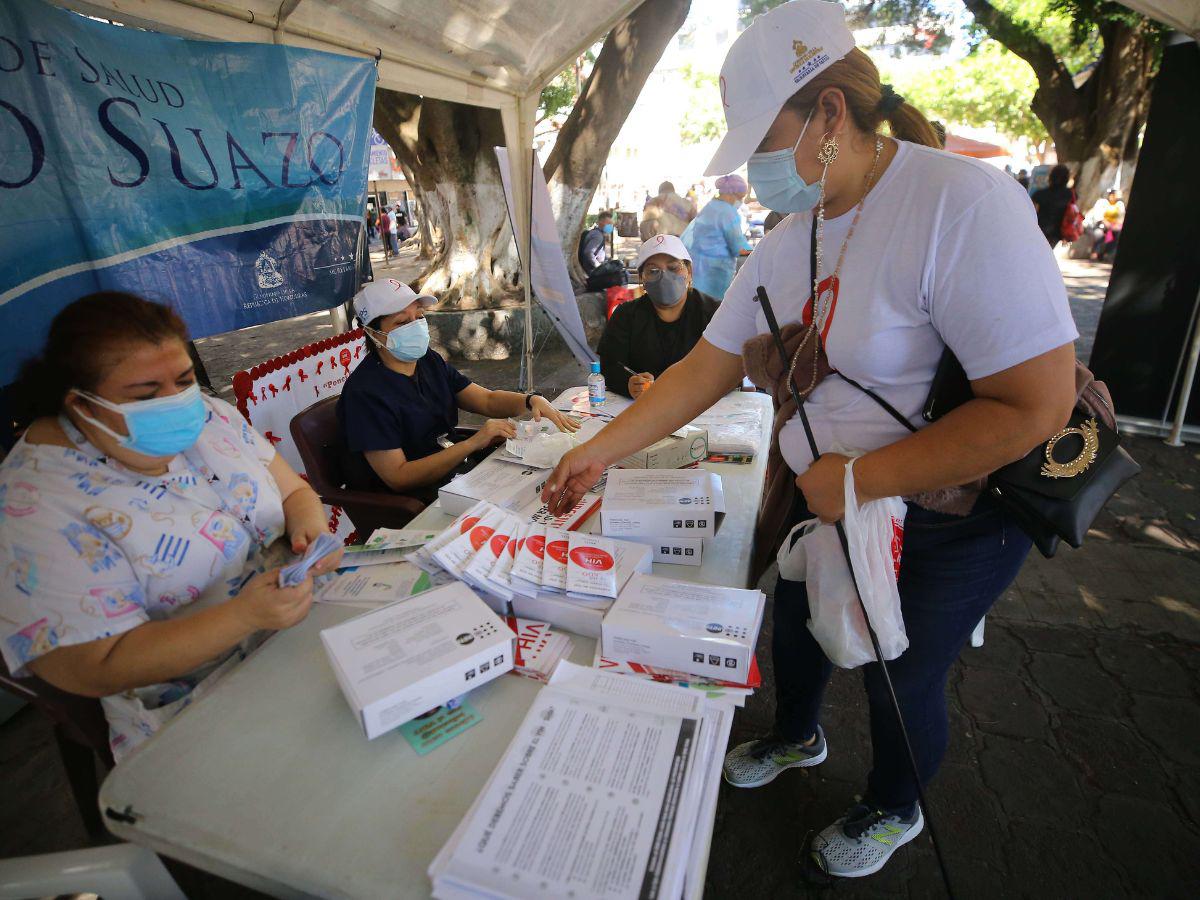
(119,872)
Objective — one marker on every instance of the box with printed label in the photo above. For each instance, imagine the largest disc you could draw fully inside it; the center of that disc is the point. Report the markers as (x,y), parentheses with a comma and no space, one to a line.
(399,661)
(673,452)
(659,503)
(679,551)
(504,484)
(701,629)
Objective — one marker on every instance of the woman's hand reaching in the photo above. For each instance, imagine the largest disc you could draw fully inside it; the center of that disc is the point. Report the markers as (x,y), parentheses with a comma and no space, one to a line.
(576,474)
(543,408)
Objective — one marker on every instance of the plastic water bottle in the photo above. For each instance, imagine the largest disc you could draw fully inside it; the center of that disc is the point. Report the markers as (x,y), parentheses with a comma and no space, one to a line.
(596,393)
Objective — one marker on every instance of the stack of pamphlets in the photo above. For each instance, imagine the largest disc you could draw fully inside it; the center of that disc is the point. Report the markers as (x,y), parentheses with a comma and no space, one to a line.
(376,585)
(700,629)
(712,688)
(534,570)
(606,792)
(538,648)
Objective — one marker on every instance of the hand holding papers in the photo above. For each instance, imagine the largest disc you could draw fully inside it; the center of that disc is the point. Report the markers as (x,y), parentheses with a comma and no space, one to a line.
(295,573)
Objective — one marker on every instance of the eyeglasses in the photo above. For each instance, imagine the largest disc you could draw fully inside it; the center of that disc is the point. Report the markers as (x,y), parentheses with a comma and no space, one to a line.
(653,273)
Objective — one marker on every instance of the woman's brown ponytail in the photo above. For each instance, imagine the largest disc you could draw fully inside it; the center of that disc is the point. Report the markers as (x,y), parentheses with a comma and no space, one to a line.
(907,123)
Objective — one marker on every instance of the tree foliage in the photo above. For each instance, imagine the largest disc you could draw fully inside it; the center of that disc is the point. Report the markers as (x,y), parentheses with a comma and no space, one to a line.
(702,119)
(1093,61)
(988,88)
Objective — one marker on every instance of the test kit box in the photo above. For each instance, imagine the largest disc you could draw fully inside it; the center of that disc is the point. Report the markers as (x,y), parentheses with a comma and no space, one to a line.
(676,551)
(502,483)
(700,629)
(399,661)
(662,503)
(672,452)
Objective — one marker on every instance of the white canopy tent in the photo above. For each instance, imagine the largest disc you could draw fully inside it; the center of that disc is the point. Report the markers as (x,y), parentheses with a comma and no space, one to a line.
(1182,15)
(481,52)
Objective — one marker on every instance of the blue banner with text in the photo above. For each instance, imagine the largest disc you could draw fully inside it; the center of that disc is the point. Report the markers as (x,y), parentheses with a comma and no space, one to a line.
(225,179)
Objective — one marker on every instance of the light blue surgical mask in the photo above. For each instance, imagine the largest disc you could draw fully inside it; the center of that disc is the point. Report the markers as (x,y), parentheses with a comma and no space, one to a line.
(607,228)
(776,182)
(409,342)
(160,426)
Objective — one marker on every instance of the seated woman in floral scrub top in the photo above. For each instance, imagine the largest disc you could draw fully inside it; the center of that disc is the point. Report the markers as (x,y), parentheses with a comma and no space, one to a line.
(135,517)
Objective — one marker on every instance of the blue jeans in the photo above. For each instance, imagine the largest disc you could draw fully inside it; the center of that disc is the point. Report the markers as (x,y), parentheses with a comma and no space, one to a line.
(951,572)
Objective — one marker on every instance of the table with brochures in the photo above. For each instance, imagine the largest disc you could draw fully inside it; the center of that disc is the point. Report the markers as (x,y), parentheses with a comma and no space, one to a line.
(268,781)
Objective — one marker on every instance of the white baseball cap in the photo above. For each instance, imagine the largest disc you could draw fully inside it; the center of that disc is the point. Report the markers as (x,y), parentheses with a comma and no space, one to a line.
(384,297)
(662,243)
(776,56)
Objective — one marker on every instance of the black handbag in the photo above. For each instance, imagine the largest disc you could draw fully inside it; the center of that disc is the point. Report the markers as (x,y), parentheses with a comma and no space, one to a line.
(1056,490)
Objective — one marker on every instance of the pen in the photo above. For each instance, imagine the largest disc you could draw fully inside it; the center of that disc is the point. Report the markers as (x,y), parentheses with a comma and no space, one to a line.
(629,370)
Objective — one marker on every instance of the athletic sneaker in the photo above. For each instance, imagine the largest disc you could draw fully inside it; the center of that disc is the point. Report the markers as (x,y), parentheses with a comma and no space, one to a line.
(860,842)
(755,763)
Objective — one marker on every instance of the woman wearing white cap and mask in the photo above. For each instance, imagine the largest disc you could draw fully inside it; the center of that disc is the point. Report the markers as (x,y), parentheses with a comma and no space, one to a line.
(917,250)
(399,406)
(716,237)
(652,333)
(135,518)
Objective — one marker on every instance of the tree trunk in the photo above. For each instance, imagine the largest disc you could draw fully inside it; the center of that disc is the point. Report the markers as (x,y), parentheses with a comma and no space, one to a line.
(446,149)
(1094,125)
(425,241)
(628,56)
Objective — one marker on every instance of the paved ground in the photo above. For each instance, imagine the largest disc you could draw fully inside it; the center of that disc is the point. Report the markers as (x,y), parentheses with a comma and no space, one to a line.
(1073,767)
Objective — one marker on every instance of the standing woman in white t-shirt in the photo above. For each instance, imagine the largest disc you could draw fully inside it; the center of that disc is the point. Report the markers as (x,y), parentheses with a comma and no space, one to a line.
(918,250)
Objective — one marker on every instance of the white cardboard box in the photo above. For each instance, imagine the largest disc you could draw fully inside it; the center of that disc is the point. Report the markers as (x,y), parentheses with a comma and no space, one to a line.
(504,484)
(581,614)
(701,629)
(672,452)
(404,659)
(661,503)
(680,551)
(562,612)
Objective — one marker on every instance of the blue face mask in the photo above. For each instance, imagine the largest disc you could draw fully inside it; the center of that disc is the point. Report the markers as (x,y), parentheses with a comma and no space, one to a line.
(160,426)
(409,342)
(607,228)
(776,182)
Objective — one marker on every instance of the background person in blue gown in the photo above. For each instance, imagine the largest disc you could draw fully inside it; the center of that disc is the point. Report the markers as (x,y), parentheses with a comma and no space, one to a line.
(717,236)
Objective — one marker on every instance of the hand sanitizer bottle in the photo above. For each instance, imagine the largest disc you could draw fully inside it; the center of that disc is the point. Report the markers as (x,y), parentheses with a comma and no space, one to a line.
(596,392)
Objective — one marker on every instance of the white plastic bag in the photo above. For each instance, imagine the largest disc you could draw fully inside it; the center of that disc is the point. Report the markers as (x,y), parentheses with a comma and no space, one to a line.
(875,532)
(545,450)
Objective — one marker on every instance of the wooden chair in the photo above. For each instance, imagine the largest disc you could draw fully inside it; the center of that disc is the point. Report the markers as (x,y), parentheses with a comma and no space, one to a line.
(319,441)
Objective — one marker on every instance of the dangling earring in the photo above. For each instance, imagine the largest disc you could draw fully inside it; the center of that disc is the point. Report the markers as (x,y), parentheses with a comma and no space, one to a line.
(829,150)
(826,155)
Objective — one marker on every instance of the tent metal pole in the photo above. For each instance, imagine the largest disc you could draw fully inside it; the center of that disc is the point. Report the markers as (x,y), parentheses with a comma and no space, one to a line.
(525,117)
(1185,388)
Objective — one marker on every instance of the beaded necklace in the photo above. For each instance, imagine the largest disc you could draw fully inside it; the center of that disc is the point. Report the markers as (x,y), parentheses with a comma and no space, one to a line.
(822,303)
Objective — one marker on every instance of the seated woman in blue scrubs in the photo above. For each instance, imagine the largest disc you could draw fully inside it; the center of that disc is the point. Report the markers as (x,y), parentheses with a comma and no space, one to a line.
(400,405)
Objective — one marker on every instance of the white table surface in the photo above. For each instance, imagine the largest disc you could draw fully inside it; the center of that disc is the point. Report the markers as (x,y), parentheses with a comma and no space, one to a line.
(269,782)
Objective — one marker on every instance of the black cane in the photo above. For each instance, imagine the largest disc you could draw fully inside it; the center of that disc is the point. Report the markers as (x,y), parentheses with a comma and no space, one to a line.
(765,302)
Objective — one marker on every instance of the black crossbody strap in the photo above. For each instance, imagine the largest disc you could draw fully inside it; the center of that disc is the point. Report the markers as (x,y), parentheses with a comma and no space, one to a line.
(887,407)
(812,267)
